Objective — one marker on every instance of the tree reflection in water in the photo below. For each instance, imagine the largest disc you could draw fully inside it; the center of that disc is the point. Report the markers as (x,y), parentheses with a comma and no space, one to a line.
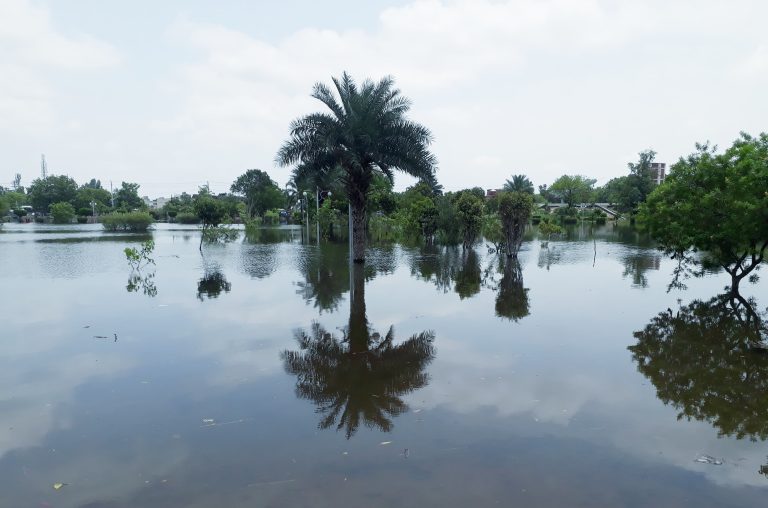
(637,264)
(512,298)
(358,378)
(212,284)
(146,283)
(703,361)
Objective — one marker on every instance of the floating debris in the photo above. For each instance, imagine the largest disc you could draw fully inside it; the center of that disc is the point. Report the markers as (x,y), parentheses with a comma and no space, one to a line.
(708,459)
(209,420)
(58,485)
(100,337)
(385,443)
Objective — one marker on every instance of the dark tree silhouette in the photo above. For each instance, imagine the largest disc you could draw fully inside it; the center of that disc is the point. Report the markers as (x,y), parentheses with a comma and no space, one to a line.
(358,378)
(703,361)
(512,297)
(212,284)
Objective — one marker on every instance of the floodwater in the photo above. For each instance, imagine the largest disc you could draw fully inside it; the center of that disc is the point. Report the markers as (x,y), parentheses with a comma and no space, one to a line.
(262,374)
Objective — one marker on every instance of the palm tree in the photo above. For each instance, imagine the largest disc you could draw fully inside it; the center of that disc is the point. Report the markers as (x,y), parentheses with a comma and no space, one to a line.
(519,183)
(365,132)
(360,377)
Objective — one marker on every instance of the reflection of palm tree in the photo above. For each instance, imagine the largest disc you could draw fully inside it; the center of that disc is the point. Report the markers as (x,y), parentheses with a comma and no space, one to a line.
(326,276)
(512,299)
(703,362)
(360,377)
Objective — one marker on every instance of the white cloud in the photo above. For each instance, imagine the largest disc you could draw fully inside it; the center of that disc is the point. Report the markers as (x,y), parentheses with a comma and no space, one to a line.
(31,49)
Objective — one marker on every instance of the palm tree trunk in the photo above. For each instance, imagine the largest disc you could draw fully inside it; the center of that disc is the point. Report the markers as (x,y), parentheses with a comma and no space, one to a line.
(358,231)
(358,321)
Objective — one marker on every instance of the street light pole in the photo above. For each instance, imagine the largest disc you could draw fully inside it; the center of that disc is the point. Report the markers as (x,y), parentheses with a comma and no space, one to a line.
(306,202)
(317,210)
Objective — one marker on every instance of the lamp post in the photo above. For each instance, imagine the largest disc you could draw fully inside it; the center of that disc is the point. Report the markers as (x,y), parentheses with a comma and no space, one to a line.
(306,210)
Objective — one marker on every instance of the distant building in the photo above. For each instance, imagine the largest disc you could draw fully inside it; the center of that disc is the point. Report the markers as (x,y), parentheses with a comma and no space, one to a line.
(156,203)
(491,193)
(658,172)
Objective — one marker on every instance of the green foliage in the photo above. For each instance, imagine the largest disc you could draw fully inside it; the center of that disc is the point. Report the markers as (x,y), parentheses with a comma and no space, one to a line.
(261,193)
(53,189)
(62,213)
(126,221)
(366,132)
(421,217)
(140,257)
(127,197)
(514,211)
(212,213)
(220,234)
(715,205)
(448,226)
(187,218)
(572,189)
(469,211)
(385,229)
(547,227)
(328,216)
(86,195)
(492,231)
(271,218)
(519,183)
(209,211)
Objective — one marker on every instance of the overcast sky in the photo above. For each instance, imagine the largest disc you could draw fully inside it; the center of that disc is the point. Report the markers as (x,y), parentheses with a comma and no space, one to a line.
(175,93)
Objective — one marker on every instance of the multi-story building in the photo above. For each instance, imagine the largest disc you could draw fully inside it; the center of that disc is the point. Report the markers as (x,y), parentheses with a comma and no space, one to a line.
(658,172)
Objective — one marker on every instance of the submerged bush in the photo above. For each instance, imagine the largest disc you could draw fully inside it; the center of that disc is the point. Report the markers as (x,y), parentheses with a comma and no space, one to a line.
(126,221)
(62,213)
(187,218)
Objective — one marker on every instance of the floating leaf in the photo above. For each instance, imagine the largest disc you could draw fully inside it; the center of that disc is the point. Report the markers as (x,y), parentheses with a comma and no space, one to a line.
(385,443)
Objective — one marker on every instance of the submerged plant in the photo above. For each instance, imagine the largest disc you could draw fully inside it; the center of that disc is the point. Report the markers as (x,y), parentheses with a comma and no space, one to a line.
(140,257)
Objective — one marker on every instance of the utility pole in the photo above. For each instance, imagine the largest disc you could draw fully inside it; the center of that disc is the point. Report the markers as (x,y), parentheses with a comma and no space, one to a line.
(111,193)
(317,213)
(43,167)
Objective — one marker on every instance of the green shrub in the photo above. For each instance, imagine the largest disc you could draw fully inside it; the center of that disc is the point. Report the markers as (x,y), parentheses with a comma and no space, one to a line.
(62,213)
(187,218)
(82,219)
(271,218)
(126,221)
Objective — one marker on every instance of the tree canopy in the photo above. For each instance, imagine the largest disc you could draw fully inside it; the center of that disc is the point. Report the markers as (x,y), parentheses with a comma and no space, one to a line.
(43,192)
(519,183)
(572,189)
(712,209)
(260,191)
(365,132)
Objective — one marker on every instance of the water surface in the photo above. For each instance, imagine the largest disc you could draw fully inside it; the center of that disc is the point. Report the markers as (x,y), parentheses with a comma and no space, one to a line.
(265,373)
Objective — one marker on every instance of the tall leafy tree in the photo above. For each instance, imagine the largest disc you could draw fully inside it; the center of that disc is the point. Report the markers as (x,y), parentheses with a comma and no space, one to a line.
(712,209)
(261,193)
(43,192)
(515,209)
(365,132)
(127,196)
(573,189)
(519,183)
